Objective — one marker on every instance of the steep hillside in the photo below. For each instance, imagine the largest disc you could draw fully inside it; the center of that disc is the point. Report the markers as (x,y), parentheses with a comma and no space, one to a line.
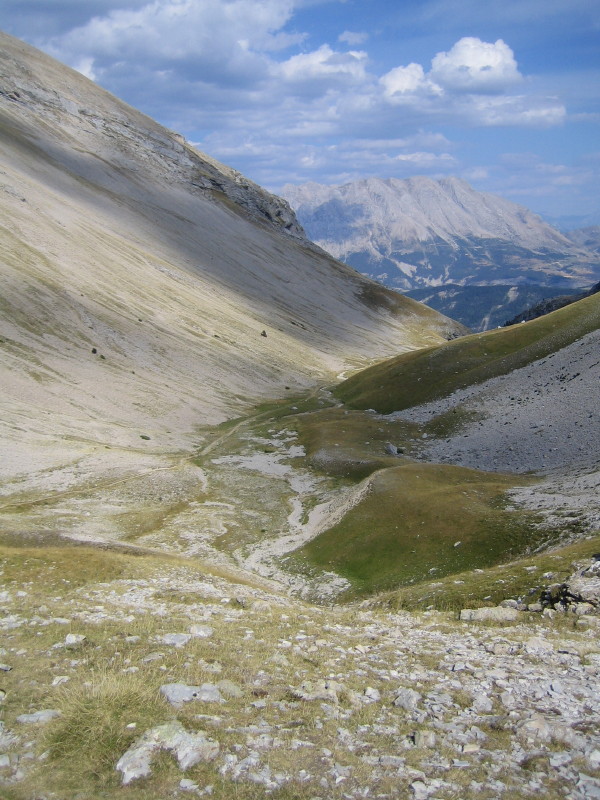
(149,290)
(434,373)
(422,232)
(586,237)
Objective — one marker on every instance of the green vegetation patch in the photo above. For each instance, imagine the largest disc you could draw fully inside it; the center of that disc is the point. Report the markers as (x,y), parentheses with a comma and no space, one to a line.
(434,372)
(351,444)
(93,730)
(420,521)
(523,579)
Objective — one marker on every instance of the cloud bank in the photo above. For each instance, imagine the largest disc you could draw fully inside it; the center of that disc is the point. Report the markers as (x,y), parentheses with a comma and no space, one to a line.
(244,81)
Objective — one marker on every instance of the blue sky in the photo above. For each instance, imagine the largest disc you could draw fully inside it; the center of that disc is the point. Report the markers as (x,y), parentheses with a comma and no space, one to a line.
(504,93)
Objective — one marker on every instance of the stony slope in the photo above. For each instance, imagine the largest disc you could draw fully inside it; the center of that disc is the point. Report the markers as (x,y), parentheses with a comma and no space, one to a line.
(282,699)
(422,232)
(138,276)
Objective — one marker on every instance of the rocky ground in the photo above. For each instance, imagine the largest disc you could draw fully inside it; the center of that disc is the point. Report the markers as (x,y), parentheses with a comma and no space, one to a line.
(251,694)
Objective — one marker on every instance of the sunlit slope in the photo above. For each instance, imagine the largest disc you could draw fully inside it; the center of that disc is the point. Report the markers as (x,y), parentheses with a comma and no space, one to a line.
(443,488)
(435,372)
(418,521)
(146,288)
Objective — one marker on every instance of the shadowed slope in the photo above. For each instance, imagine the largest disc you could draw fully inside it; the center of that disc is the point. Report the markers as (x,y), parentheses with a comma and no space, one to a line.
(138,276)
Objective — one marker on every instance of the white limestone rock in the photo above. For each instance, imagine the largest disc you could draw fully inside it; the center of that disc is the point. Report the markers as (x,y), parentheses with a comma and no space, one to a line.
(189,749)
(489,614)
(179,693)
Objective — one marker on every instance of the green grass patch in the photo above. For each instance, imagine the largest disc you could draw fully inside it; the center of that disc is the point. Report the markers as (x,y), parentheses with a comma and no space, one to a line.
(434,372)
(407,528)
(488,587)
(92,730)
(351,444)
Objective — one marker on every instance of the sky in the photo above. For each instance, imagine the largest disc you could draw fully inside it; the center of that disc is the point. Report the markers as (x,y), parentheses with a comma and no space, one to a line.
(502,93)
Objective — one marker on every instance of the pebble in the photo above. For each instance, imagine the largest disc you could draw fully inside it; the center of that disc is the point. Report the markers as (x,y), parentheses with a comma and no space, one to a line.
(175,639)
(201,631)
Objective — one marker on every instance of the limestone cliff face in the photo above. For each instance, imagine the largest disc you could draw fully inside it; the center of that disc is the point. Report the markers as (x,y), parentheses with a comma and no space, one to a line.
(37,86)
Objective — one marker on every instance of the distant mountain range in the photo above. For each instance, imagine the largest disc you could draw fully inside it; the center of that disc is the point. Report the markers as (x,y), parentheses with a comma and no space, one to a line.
(420,233)
(483,307)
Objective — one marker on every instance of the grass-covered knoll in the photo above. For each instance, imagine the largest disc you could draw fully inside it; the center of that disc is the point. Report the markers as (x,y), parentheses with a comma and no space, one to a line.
(523,579)
(351,444)
(429,374)
(423,520)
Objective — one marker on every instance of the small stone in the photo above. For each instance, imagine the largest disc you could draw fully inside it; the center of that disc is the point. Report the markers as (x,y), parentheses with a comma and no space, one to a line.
(594,759)
(537,645)
(175,639)
(229,688)
(582,608)
(407,699)
(560,760)
(371,695)
(536,728)
(5,668)
(425,739)
(152,657)
(420,790)
(482,704)
(201,631)
(60,679)
(395,762)
(179,693)
(74,640)
(489,614)
(319,690)
(186,785)
(39,717)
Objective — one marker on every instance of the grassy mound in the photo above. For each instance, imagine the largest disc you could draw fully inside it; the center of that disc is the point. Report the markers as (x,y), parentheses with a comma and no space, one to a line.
(435,372)
(420,521)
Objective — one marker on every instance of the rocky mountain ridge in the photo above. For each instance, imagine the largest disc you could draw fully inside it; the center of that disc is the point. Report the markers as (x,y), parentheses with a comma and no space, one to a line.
(481,308)
(421,232)
(547,306)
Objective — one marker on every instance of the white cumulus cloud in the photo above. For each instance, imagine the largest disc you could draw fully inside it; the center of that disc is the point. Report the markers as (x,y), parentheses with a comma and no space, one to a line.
(402,82)
(327,64)
(475,66)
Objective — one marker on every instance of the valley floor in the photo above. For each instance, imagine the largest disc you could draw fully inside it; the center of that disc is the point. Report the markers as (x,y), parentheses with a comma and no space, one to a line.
(158,638)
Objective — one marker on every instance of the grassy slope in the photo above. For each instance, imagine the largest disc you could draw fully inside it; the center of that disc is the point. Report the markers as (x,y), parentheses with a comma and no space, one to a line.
(404,530)
(408,526)
(435,372)
(523,578)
